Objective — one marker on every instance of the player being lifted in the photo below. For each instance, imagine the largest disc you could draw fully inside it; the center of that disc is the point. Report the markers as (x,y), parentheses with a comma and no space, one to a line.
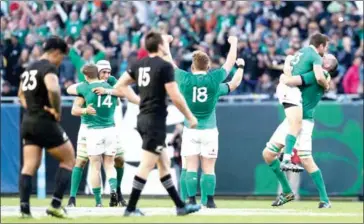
(155,79)
(311,95)
(104,73)
(305,60)
(101,141)
(202,88)
(40,95)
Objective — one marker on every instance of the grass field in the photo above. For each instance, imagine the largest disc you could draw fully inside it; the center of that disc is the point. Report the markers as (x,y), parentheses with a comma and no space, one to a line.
(161,211)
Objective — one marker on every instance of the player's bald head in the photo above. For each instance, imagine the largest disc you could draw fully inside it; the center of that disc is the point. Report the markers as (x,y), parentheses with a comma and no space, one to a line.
(90,71)
(200,61)
(330,63)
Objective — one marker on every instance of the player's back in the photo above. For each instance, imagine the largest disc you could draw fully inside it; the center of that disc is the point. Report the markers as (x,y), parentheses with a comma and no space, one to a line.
(34,88)
(201,92)
(151,75)
(104,105)
(304,60)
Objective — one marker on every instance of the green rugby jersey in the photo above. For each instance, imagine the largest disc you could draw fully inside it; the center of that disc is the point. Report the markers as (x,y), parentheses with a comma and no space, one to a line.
(201,92)
(304,60)
(112,81)
(104,105)
(312,93)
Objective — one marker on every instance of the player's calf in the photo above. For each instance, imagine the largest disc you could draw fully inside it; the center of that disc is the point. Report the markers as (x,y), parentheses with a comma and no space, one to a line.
(208,180)
(95,164)
(76,179)
(316,175)
(111,176)
(119,166)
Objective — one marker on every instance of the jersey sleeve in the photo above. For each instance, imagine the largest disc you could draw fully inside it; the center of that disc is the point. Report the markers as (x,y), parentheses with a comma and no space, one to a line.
(168,73)
(219,74)
(179,75)
(308,78)
(112,81)
(132,71)
(224,89)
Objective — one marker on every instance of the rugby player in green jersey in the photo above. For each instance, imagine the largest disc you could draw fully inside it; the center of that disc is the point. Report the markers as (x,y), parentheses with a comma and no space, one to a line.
(305,60)
(202,88)
(101,141)
(104,71)
(311,95)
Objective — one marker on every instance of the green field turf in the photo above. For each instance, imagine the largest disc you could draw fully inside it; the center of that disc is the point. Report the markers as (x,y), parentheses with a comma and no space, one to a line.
(261,211)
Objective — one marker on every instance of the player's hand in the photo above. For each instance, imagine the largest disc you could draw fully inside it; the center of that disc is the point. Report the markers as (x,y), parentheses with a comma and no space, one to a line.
(99,90)
(193,122)
(240,61)
(90,110)
(53,112)
(233,40)
(167,38)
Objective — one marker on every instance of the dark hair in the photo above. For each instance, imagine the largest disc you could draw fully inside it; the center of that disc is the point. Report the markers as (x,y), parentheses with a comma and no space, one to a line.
(152,41)
(91,71)
(318,39)
(55,43)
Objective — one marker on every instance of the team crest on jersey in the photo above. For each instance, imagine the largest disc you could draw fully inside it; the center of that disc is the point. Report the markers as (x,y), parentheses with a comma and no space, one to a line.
(65,137)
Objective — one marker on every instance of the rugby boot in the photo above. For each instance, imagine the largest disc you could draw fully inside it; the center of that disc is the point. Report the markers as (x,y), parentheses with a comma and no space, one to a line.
(289,166)
(99,205)
(121,201)
(57,212)
(210,202)
(113,200)
(283,199)
(136,212)
(71,202)
(188,209)
(323,204)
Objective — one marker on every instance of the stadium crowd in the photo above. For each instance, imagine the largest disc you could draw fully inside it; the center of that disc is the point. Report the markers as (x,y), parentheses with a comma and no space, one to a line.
(114,30)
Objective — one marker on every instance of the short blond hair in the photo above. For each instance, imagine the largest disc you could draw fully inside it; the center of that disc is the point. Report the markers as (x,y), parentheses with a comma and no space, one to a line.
(200,61)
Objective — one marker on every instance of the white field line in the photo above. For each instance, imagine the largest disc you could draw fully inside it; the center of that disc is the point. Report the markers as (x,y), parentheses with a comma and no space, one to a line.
(8,211)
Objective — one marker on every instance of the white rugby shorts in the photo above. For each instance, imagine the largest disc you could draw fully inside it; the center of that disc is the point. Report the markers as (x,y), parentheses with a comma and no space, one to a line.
(102,141)
(200,142)
(81,142)
(287,94)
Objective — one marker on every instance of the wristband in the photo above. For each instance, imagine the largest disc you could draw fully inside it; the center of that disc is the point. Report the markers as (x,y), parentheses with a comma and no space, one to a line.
(108,91)
(241,66)
(84,111)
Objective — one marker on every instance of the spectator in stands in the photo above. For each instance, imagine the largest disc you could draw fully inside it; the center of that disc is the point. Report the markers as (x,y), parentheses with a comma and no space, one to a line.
(265,85)
(351,80)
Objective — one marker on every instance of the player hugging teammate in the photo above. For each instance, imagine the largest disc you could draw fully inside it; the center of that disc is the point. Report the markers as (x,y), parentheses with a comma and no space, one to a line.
(311,74)
(87,113)
(202,88)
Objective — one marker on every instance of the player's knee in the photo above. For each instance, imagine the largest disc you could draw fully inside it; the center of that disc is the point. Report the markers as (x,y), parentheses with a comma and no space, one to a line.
(269,153)
(208,165)
(309,163)
(119,162)
(81,162)
(30,168)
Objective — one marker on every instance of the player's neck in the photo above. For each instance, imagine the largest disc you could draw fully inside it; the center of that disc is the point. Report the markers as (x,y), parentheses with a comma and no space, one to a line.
(47,57)
(153,55)
(314,48)
(94,80)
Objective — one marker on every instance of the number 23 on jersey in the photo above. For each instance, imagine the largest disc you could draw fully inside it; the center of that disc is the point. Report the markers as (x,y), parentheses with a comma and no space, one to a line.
(29,82)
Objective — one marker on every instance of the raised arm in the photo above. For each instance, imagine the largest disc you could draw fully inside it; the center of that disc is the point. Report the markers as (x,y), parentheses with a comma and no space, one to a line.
(238,76)
(167,39)
(232,55)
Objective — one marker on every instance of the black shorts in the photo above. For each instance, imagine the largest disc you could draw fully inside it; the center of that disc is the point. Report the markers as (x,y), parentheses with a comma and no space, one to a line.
(42,132)
(153,133)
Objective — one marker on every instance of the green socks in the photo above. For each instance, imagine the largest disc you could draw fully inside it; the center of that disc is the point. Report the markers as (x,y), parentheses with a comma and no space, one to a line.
(113,183)
(275,166)
(119,176)
(183,185)
(191,181)
(75,180)
(290,142)
(208,185)
(320,185)
(97,195)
